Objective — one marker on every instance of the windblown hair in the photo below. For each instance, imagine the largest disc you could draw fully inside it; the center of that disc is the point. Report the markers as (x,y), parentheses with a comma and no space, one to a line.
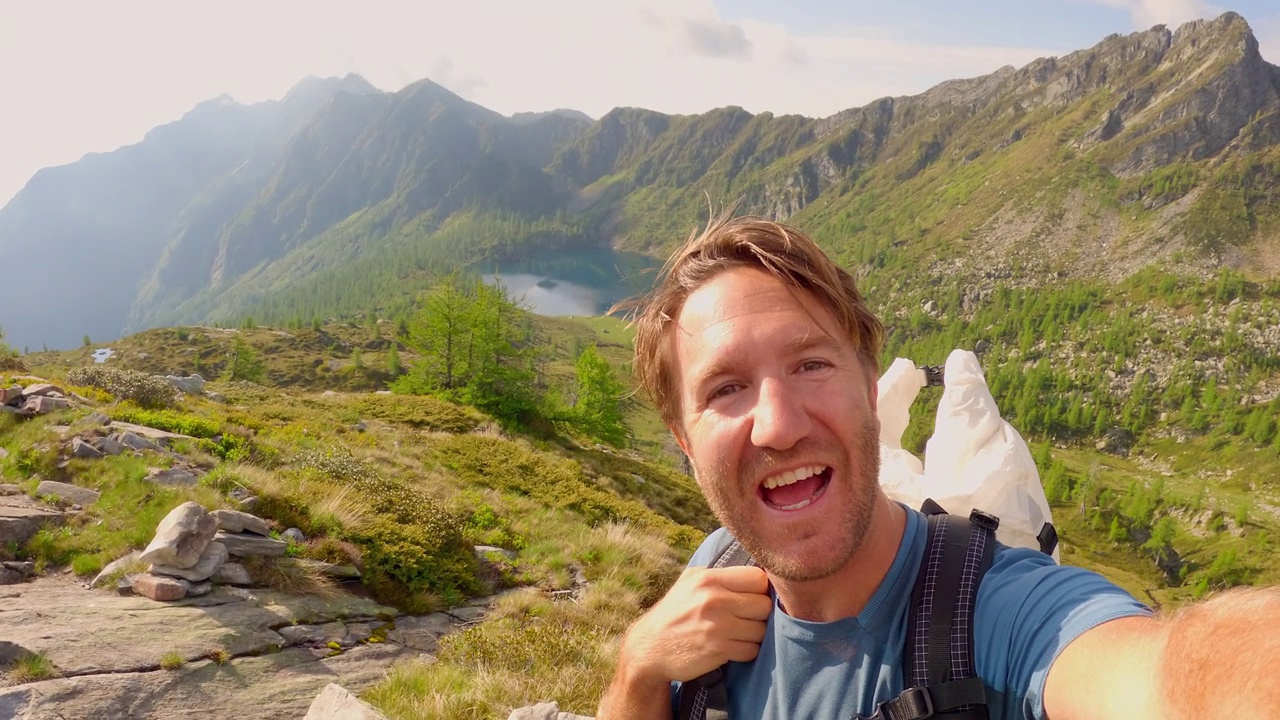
(733,242)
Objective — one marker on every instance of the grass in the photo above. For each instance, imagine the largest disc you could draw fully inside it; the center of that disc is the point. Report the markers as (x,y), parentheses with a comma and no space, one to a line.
(219,655)
(172,660)
(289,576)
(31,667)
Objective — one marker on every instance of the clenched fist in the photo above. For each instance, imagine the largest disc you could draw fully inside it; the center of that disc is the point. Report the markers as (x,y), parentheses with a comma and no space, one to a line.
(709,617)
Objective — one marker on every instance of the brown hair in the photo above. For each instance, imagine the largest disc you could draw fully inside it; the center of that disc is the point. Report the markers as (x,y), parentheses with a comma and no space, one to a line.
(730,242)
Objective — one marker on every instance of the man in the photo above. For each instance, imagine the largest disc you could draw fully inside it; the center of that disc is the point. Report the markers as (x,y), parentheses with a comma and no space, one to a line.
(762,358)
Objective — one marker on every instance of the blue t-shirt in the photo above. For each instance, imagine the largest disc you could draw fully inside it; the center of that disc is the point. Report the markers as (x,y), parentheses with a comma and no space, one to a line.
(1029,609)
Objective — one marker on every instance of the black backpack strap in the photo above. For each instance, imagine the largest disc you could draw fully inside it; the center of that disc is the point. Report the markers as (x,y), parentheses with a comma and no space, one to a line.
(709,699)
(938,662)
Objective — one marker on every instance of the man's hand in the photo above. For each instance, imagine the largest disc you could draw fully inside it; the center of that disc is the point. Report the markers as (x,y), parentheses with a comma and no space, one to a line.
(709,617)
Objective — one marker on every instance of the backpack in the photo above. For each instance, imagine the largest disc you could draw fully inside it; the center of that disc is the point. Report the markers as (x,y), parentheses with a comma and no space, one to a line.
(938,663)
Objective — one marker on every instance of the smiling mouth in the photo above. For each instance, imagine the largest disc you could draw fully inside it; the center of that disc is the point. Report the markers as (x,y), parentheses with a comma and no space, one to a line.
(795,489)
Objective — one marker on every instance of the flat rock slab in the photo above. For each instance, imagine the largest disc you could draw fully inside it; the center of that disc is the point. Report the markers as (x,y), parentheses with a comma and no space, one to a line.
(86,631)
(279,686)
(65,491)
(148,432)
(21,517)
(250,545)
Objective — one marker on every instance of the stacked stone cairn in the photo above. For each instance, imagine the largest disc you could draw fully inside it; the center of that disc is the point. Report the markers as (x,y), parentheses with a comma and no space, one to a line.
(35,399)
(192,549)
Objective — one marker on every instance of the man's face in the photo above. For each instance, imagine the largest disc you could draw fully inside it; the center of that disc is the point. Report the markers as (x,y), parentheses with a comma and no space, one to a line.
(778,418)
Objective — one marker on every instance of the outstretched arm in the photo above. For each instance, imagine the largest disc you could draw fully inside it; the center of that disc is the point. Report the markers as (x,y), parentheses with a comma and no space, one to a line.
(1215,659)
(708,618)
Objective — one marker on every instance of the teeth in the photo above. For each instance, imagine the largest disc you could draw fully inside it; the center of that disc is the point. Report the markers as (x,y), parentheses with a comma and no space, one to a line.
(793,476)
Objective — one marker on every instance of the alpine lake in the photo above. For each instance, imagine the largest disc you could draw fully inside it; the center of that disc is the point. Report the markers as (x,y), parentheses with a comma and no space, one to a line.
(582,282)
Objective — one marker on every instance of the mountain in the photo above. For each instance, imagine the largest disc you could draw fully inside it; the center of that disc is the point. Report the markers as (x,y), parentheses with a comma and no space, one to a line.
(1159,147)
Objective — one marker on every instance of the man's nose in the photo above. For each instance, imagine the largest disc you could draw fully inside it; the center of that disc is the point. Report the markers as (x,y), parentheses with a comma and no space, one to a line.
(779,419)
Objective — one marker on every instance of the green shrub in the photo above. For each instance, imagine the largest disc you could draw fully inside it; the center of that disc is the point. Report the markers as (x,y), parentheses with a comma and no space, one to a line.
(167,420)
(523,647)
(406,564)
(149,391)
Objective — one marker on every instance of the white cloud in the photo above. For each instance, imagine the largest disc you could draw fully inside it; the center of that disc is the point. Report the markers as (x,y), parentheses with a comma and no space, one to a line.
(90,76)
(1149,13)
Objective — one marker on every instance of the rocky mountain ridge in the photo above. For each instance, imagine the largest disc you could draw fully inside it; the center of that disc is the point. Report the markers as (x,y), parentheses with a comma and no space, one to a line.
(1165,139)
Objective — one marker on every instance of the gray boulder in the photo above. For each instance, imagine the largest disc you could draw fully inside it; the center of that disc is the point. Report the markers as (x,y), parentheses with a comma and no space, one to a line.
(293,535)
(174,477)
(137,442)
(113,566)
(335,703)
(213,558)
(73,494)
(42,390)
(249,545)
(84,450)
(191,385)
(232,574)
(182,536)
(43,405)
(234,521)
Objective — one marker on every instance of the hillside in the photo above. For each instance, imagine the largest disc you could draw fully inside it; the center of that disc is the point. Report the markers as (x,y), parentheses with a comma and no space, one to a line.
(1157,148)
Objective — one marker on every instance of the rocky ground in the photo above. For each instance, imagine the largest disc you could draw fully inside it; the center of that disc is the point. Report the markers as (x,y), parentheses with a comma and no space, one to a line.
(107,649)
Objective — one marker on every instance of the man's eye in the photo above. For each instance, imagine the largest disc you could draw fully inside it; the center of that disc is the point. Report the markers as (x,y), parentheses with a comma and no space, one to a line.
(812,365)
(722,391)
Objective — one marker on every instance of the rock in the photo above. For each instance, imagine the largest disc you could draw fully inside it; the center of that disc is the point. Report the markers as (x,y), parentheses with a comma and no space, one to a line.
(3,453)
(293,535)
(43,390)
(468,613)
(137,442)
(43,405)
(13,572)
(158,587)
(113,566)
(108,646)
(335,703)
(248,545)
(544,711)
(358,633)
(302,634)
(197,589)
(191,385)
(160,436)
(98,418)
(75,494)
(216,397)
(182,536)
(124,586)
(110,446)
(9,489)
(11,395)
(234,521)
(360,426)
(21,518)
(213,558)
(180,477)
(232,574)
(422,632)
(84,450)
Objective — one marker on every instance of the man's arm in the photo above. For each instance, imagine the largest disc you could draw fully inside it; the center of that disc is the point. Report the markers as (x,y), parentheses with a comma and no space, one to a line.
(707,618)
(1215,659)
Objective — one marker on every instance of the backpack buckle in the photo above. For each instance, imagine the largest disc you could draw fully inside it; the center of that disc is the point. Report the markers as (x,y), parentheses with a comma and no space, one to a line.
(984,519)
(915,703)
(933,375)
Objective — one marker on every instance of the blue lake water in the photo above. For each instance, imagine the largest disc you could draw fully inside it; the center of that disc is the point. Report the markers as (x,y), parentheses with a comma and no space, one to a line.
(582,282)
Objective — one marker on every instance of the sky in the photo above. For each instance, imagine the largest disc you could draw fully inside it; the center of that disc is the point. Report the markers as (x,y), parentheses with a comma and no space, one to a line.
(90,76)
